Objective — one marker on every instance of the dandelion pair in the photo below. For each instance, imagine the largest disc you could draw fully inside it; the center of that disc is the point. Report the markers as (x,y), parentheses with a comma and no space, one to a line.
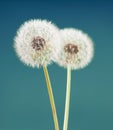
(38,43)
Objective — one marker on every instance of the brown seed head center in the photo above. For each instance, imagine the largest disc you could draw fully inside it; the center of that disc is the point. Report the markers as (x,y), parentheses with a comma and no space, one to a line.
(70,48)
(38,43)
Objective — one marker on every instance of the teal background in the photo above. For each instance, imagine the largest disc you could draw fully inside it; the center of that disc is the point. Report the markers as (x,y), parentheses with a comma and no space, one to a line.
(24,101)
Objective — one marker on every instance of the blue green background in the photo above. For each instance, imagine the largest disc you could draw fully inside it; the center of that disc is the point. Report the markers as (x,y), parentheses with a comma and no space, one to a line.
(24,101)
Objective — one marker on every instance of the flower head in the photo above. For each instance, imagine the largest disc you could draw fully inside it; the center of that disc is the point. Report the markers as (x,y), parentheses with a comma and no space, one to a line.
(37,43)
(76,50)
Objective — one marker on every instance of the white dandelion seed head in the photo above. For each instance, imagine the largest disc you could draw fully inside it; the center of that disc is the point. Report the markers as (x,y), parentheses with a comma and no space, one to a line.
(77,49)
(37,43)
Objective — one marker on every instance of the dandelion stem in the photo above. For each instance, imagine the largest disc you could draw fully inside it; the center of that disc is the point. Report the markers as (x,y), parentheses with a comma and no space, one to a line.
(51,98)
(67,101)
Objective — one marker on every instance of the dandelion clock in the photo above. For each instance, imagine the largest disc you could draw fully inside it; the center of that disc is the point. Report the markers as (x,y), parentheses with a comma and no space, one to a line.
(37,44)
(76,53)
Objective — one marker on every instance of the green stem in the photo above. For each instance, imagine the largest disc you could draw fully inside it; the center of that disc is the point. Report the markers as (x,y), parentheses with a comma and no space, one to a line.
(51,98)
(67,102)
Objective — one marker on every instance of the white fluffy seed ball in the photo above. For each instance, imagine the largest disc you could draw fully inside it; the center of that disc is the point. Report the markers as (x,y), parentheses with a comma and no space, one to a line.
(37,43)
(76,50)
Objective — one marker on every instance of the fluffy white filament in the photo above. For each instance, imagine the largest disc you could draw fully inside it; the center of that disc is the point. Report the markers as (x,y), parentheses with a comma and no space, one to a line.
(84,45)
(31,30)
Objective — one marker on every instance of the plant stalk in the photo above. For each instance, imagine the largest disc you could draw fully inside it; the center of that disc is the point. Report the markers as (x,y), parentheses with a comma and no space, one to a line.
(67,101)
(51,98)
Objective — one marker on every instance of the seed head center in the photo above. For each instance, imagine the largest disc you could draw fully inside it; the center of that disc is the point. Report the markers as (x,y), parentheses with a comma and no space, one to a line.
(70,48)
(38,43)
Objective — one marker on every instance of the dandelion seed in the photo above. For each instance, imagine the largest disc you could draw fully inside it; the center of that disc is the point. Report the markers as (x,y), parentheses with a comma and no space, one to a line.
(37,44)
(76,53)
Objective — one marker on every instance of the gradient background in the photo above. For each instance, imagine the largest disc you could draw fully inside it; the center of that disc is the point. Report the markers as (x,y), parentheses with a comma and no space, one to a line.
(24,101)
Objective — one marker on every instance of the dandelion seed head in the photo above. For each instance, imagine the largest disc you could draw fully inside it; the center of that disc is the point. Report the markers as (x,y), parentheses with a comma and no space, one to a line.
(37,43)
(77,49)
(70,48)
